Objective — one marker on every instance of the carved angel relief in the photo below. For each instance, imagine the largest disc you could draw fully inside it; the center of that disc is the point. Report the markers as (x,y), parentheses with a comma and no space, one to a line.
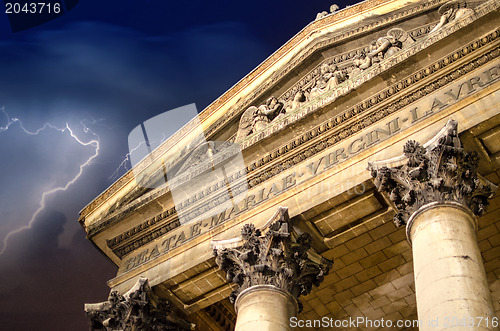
(386,46)
(257,118)
(333,9)
(444,172)
(330,74)
(450,12)
(203,153)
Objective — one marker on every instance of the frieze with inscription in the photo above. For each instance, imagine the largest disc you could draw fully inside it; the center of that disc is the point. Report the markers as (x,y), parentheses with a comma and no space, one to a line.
(319,164)
(384,94)
(492,73)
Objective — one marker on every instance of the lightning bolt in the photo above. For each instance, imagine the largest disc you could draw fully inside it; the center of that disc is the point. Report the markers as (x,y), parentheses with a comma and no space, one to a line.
(125,161)
(94,143)
(123,164)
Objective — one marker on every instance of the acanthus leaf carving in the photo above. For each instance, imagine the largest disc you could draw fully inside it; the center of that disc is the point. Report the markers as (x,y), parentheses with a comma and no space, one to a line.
(440,172)
(276,258)
(333,9)
(139,309)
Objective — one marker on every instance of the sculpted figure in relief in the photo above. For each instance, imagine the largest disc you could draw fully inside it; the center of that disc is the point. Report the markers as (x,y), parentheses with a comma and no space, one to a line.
(330,76)
(257,118)
(450,12)
(386,46)
(395,40)
(298,99)
(360,62)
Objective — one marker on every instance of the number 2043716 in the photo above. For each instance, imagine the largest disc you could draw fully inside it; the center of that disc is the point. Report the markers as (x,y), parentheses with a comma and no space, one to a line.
(32,8)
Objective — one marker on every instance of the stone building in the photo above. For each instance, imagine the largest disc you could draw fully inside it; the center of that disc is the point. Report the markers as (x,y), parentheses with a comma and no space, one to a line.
(348,182)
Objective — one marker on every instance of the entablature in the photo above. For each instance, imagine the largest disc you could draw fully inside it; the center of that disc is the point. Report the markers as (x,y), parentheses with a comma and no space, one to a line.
(341,28)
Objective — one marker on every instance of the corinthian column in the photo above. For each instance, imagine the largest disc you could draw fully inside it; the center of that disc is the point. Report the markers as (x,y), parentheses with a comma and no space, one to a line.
(437,194)
(271,270)
(139,309)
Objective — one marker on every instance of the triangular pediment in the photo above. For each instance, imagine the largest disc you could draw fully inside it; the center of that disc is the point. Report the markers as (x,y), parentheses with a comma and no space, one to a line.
(337,67)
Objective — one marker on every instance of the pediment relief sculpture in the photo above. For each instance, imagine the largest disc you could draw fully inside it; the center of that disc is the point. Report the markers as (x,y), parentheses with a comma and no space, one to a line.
(330,77)
(450,12)
(138,309)
(439,171)
(336,70)
(321,80)
(257,118)
(384,47)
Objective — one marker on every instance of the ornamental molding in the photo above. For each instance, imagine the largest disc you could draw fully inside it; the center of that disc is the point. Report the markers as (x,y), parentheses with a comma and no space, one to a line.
(137,310)
(324,136)
(308,30)
(338,38)
(372,71)
(278,258)
(440,171)
(479,11)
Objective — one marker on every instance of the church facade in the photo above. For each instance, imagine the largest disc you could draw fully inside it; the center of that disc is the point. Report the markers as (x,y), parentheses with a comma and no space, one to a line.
(348,182)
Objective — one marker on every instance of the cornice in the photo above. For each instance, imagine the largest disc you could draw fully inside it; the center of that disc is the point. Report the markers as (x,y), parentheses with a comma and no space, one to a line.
(318,25)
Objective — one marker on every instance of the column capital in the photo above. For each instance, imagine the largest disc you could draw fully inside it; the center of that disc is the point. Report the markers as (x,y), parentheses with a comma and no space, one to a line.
(278,258)
(437,172)
(138,309)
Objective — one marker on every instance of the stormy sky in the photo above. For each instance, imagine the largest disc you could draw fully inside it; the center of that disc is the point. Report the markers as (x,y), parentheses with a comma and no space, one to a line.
(103,68)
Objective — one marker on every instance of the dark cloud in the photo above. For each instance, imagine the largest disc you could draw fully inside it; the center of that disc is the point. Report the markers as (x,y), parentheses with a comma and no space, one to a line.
(43,286)
(101,71)
(97,67)
(119,63)
(88,70)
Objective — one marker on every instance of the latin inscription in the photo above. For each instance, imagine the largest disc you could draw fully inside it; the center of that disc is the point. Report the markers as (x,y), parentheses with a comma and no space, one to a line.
(345,150)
